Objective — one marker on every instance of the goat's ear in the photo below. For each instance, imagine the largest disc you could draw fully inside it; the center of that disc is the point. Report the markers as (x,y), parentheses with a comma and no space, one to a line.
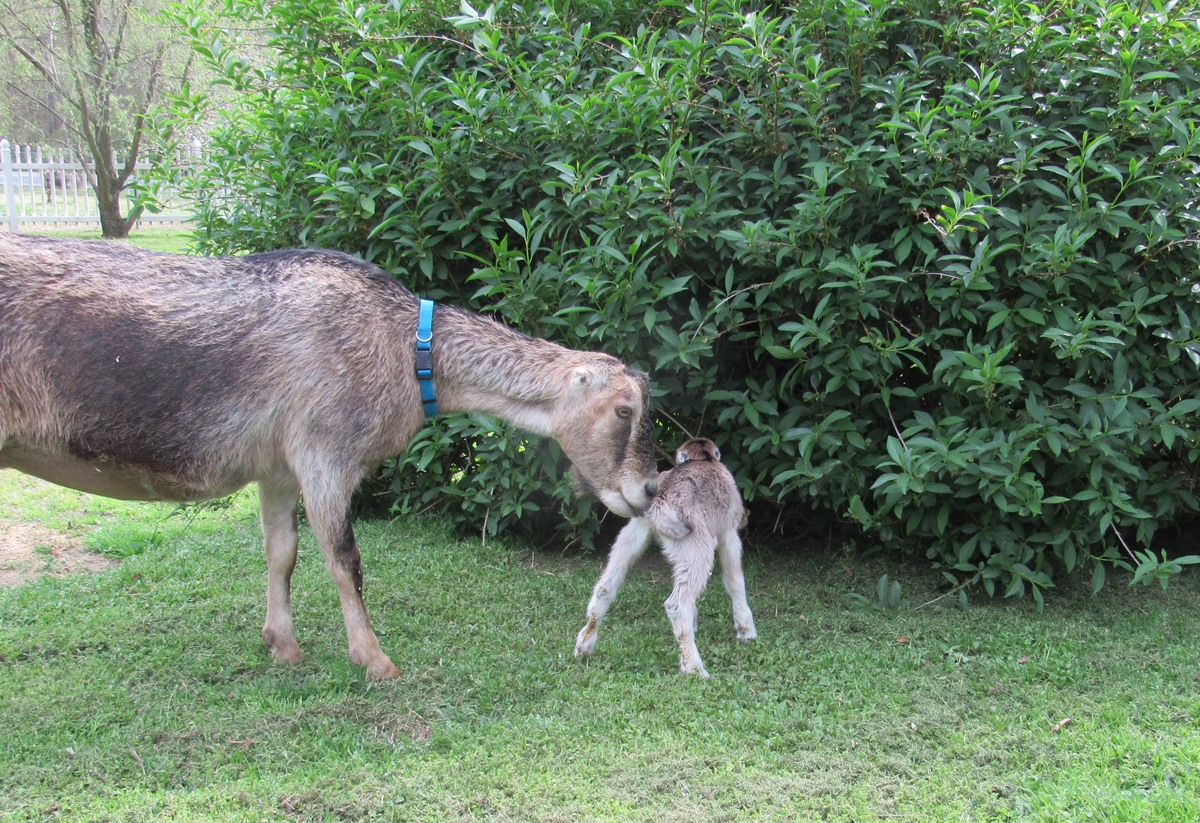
(586,378)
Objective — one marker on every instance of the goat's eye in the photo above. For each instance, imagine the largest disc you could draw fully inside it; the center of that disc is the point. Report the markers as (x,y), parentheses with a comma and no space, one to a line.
(624,412)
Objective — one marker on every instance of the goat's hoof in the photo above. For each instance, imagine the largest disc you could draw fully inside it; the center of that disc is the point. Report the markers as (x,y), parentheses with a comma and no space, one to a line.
(293,657)
(746,634)
(384,670)
(377,664)
(285,651)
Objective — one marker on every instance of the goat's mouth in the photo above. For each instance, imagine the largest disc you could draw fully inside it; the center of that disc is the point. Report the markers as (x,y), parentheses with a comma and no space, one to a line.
(614,500)
(619,504)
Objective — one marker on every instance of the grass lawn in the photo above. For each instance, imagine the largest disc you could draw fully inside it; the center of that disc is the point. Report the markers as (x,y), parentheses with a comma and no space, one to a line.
(143,692)
(156,238)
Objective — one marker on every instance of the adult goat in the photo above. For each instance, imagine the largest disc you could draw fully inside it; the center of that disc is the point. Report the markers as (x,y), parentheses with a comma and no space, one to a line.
(153,376)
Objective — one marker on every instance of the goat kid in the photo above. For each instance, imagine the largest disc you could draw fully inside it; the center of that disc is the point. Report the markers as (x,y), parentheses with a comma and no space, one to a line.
(695,516)
(152,376)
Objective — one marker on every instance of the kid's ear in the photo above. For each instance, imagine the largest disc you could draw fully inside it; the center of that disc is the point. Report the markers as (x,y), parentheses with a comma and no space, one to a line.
(707,448)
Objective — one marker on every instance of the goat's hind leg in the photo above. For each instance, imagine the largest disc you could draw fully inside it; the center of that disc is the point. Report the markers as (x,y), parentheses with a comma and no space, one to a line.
(729,551)
(277,508)
(692,562)
(629,545)
(328,507)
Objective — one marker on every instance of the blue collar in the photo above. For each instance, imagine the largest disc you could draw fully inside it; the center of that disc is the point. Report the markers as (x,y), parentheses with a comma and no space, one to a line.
(425,358)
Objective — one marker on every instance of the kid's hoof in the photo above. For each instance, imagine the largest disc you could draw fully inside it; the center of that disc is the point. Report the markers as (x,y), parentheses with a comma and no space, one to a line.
(585,644)
(746,634)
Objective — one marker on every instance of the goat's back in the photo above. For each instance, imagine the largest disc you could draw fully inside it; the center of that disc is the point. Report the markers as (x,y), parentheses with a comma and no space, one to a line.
(175,293)
(704,494)
(184,366)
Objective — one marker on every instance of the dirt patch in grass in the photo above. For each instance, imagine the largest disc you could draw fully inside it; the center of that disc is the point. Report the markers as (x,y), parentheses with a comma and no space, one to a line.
(29,551)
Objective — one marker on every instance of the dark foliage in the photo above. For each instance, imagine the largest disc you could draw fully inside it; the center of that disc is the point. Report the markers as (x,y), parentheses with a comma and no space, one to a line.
(923,270)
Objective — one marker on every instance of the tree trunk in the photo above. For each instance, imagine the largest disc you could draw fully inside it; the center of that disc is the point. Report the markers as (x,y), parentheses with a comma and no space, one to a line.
(113,225)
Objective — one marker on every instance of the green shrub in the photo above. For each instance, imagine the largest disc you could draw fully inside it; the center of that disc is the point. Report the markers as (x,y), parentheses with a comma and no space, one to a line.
(924,270)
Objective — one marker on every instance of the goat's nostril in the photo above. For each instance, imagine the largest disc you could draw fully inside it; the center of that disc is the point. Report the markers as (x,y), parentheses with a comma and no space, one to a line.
(652,488)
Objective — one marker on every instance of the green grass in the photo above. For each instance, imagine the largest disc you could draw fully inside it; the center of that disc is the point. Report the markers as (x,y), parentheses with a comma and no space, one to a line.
(116,528)
(144,692)
(32,201)
(155,238)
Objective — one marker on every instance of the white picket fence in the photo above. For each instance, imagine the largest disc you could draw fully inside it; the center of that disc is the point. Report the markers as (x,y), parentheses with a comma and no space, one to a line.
(47,187)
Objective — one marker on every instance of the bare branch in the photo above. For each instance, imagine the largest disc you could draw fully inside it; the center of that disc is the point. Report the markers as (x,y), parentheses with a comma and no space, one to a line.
(140,118)
(43,68)
(40,102)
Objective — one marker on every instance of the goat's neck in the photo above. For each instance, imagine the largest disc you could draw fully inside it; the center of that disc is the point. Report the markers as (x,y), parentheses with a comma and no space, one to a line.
(483,366)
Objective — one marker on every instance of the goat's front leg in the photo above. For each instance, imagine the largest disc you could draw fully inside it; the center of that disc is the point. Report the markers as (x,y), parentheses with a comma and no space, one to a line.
(692,561)
(330,518)
(729,551)
(630,544)
(277,508)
